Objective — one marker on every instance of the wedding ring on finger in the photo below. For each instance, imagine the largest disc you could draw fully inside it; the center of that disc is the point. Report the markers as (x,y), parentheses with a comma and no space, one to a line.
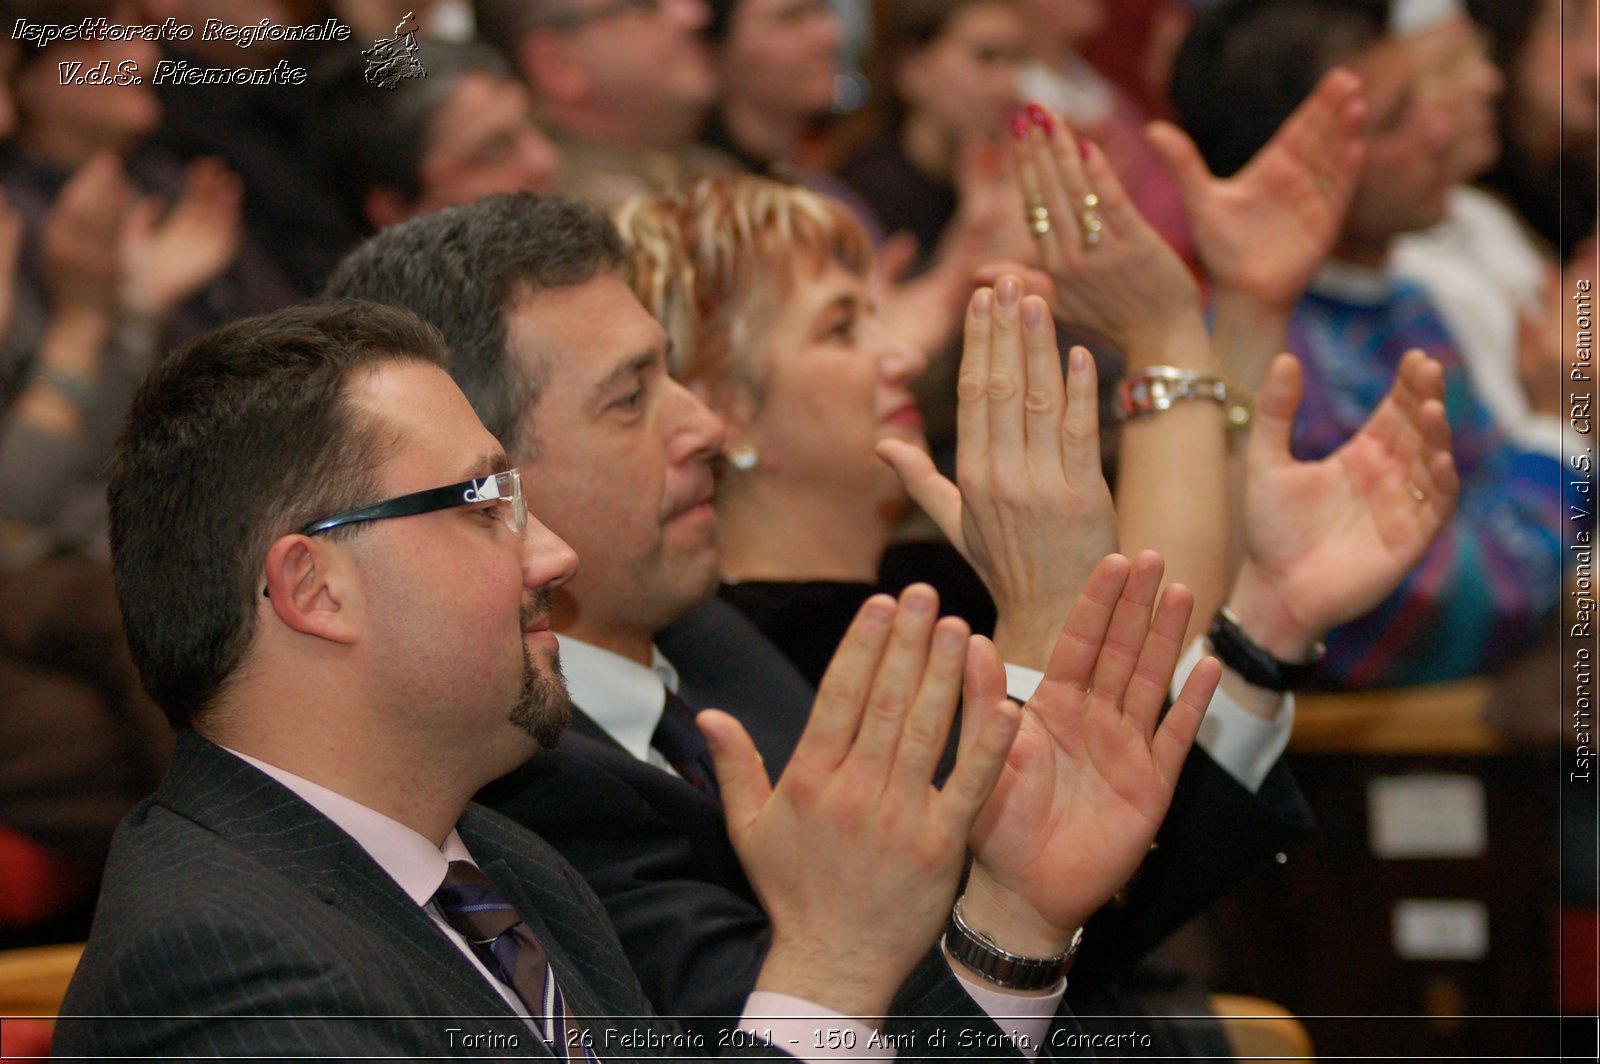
(1093,225)
(1038,217)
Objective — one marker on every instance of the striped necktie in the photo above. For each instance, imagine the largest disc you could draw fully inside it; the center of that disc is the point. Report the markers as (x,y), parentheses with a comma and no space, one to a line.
(681,743)
(502,941)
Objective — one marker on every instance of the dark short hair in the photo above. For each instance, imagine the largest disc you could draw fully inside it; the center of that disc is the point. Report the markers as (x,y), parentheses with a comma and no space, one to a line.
(362,137)
(239,439)
(464,269)
(1247,64)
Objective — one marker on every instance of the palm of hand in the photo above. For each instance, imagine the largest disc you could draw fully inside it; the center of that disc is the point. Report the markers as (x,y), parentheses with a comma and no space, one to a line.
(1265,231)
(1076,807)
(1329,538)
(169,262)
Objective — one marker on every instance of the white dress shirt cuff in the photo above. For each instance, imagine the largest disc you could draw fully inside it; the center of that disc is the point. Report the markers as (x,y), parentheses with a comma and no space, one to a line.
(1244,745)
(1025,1017)
(807,1030)
(1022,681)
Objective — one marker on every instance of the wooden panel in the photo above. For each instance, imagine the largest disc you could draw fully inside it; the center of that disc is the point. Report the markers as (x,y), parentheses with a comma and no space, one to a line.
(1437,718)
(33,981)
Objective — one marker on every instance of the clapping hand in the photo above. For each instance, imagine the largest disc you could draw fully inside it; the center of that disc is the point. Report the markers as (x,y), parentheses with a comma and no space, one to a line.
(166,259)
(1091,772)
(1263,233)
(1325,541)
(1266,229)
(1111,272)
(1030,509)
(854,854)
(79,240)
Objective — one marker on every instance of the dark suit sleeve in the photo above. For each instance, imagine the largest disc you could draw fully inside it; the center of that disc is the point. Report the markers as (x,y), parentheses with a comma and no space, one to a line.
(1216,834)
(933,1017)
(656,853)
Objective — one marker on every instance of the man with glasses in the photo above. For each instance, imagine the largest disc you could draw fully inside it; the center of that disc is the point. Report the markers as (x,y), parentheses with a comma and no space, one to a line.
(350,650)
(624,87)
(569,371)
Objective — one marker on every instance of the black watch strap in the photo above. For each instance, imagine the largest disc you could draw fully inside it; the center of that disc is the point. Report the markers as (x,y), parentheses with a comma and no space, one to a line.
(1245,656)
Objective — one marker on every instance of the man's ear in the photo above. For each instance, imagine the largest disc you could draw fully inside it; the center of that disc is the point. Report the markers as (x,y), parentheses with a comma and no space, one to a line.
(552,66)
(307,588)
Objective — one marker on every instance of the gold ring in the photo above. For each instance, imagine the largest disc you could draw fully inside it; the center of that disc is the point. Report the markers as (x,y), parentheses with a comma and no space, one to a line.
(1038,218)
(1417,493)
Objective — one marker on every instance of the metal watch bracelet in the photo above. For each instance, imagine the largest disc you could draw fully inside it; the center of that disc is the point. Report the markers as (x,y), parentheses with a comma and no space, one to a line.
(1159,388)
(1009,970)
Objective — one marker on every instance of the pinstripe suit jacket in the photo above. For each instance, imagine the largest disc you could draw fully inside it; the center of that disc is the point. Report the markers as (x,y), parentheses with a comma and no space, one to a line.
(235,920)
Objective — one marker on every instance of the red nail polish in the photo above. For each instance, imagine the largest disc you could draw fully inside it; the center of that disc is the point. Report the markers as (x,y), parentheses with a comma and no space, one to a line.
(1085,149)
(1019,126)
(1041,118)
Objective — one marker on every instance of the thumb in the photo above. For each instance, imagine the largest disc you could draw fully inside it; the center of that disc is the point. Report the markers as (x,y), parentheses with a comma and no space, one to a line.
(1181,157)
(928,488)
(1276,403)
(741,776)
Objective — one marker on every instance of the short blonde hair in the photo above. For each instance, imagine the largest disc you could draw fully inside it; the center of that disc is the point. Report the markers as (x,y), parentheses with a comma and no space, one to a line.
(714,262)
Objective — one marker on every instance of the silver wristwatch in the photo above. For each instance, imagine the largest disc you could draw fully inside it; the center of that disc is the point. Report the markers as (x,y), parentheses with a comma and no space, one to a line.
(1009,970)
(1160,387)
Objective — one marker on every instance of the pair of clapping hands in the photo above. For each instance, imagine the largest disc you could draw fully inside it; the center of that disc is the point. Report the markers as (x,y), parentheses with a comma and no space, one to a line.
(855,854)
(107,250)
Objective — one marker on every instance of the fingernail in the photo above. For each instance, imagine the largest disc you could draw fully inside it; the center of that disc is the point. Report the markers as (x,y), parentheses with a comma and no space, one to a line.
(1019,126)
(1033,314)
(1041,118)
(1077,360)
(1084,148)
(950,638)
(1008,291)
(880,609)
(917,599)
(982,301)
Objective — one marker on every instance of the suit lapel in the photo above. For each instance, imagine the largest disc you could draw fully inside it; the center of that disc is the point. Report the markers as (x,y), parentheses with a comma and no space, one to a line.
(261,817)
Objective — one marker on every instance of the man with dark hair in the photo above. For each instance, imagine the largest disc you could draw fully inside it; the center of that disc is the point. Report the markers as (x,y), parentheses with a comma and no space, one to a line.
(462,132)
(624,86)
(1491,581)
(351,650)
(617,456)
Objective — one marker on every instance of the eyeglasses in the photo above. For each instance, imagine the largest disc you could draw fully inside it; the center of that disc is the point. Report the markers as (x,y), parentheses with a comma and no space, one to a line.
(502,489)
(571,20)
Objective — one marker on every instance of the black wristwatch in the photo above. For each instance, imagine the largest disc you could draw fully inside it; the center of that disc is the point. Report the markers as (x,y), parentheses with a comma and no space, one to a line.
(1246,657)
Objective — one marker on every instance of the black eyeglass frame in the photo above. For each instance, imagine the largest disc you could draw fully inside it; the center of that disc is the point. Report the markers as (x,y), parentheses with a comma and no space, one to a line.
(507,488)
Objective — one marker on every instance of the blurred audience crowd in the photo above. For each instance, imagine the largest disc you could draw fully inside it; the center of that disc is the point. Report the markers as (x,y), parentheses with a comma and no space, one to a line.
(808,193)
